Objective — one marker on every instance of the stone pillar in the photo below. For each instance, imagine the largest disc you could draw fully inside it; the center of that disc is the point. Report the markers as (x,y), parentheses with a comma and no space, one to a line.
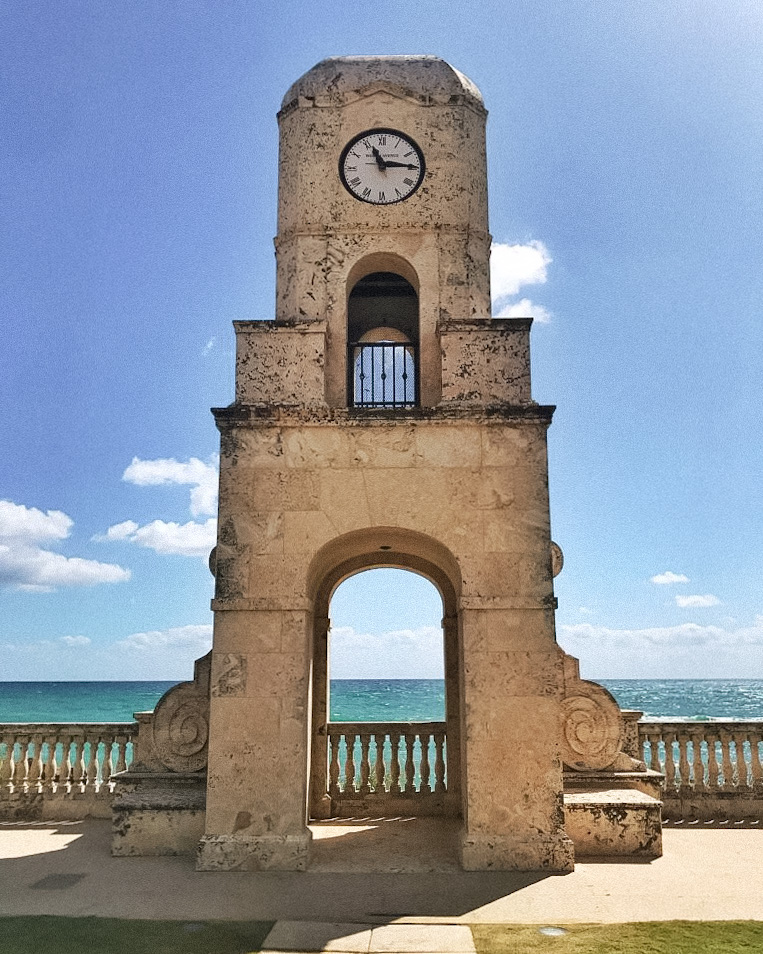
(258,742)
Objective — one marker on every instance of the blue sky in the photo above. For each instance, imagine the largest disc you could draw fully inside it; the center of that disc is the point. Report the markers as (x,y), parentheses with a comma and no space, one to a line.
(138,207)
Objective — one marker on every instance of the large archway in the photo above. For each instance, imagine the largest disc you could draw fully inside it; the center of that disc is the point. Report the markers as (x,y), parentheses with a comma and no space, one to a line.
(394,766)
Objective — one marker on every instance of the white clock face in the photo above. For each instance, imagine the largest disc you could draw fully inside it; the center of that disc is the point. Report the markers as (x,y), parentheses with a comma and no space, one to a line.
(381,166)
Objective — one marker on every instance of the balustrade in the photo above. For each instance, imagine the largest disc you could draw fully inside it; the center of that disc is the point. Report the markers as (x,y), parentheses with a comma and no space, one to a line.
(54,760)
(712,768)
(378,760)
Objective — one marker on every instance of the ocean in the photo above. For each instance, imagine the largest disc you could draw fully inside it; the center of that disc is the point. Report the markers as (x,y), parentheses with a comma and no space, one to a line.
(377,700)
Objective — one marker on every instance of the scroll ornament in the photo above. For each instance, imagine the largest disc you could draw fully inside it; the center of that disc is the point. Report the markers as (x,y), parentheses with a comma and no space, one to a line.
(593,731)
(181,722)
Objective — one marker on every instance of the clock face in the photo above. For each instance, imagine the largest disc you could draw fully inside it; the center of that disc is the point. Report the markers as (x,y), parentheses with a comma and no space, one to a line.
(381,166)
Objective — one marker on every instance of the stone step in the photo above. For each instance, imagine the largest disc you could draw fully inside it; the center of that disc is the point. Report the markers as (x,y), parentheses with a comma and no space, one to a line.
(614,822)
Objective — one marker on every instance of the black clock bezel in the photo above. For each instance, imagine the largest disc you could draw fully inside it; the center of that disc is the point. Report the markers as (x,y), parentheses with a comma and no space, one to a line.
(392,132)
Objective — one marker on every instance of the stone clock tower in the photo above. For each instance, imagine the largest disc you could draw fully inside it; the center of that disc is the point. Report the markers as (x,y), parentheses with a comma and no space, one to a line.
(384,419)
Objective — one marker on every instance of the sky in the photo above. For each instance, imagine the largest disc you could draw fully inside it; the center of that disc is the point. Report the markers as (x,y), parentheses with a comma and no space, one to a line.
(138,204)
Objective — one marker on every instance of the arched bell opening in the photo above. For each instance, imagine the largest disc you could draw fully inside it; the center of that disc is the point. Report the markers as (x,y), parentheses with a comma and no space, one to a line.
(383,341)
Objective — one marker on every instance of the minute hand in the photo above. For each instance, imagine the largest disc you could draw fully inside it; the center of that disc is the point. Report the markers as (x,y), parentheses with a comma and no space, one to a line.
(399,165)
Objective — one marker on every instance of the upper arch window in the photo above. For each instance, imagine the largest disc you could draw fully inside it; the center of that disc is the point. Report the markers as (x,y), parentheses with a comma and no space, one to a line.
(383,337)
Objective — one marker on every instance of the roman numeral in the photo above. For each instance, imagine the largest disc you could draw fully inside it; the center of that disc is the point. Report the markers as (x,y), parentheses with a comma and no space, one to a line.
(382,140)
(367,144)
(382,197)
(398,193)
(408,182)
(366,193)
(406,154)
(350,168)
(355,181)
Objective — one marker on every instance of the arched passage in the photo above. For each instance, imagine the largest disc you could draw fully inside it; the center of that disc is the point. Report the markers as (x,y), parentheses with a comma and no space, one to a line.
(402,764)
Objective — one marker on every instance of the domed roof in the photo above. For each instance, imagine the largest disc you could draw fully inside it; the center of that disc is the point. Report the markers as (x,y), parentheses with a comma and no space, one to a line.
(421,76)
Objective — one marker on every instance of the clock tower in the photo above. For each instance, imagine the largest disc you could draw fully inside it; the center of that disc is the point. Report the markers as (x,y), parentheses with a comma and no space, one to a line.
(384,419)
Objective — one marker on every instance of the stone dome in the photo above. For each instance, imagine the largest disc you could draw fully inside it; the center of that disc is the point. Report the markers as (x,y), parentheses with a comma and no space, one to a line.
(421,76)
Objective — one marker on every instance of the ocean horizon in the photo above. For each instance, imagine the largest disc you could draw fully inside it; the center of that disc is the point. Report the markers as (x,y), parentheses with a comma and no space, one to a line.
(375,700)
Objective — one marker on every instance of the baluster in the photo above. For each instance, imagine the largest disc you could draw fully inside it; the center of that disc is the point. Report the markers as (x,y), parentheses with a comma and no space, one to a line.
(379,767)
(728,767)
(365,765)
(78,766)
(683,762)
(34,777)
(6,766)
(394,763)
(349,765)
(91,773)
(670,765)
(410,768)
(439,762)
(64,766)
(107,766)
(121,754)
(334,765)
(713,769)
(755,766)
(743,770)
(654,751)
(697,763)
(424,788)
(21,766)
(49,768)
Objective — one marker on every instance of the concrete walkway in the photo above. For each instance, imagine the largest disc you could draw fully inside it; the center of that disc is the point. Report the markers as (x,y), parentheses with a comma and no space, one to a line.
(707,873)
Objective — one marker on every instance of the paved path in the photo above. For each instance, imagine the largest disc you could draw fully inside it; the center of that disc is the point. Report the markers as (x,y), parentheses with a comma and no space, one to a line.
(59,868)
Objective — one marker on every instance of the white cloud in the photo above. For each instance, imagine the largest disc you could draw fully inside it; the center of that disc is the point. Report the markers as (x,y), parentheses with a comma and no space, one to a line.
(525,309)
(30,525)
(26,565)
(201,476)
(398,654)
(75,642)
(512,266)
(170,537)
(120,531)
(684,651)
(663,579)
(694,602)
(195,637)
(208,346)
(187,539)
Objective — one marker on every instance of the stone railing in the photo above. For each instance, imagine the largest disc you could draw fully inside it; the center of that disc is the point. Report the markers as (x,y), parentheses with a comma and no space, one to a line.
(395,766)
(61,770)
(713,770)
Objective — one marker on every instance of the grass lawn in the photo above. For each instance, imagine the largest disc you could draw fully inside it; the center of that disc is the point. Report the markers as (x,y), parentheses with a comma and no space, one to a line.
(658,937)
(55,935)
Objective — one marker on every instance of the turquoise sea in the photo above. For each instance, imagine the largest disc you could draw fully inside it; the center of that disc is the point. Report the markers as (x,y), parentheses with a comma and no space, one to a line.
(377,700)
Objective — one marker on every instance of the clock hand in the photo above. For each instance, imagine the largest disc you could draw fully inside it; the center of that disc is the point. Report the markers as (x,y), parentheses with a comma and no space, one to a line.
(379,160)
(399,165)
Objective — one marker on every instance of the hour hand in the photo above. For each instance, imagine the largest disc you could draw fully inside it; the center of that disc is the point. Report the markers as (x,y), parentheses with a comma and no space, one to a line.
(380,162)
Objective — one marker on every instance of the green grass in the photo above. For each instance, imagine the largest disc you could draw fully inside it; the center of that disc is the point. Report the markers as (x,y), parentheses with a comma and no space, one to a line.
(56,935)
(658,937)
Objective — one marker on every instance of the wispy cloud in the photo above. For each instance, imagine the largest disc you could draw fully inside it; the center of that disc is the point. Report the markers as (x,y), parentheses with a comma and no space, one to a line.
(186,539)
(194,538)
(685,634)
(511,268)
(668,577)
(208,346)
(200,475)
(195,637)
(402,653)
(697,602)
(525,309)
(26,564)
